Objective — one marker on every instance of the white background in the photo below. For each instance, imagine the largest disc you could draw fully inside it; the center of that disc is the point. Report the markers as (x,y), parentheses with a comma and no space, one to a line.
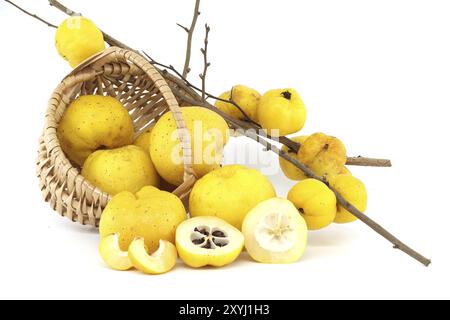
(374,73)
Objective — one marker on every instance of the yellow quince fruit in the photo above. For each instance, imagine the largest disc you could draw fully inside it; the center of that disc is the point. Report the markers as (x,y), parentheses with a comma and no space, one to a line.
(160,261)
(354,191)
(289,170)
(123,169)
(151,214)
(112,255)
(274,232)
(203,241)
(143,140)
(281,112)
(229,193)
(315,202)
(324,155)
(78,38)
(246,98)
(93,122)
(209,133)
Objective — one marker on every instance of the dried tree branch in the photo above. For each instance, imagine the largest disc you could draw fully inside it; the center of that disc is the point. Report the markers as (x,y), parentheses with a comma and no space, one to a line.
(51,25)
(206,63)
(190,96)
(190,32)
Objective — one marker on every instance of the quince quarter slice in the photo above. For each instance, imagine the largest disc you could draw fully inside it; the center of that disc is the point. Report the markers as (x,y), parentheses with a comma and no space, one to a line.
(206,240)
(161,261)
(113,256)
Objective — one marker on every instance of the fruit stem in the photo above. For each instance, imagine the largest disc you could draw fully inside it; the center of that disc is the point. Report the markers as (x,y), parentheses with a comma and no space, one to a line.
(286,94)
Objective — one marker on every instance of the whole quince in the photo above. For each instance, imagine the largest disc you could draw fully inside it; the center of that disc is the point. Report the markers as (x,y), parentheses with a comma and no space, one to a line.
(94,122)
(324,155)
(246,98)
(354,191)
(78,38)
(123,169)
(150,214)
(315,202)
(208,132)
(143,140)
(289,170)
(281,112)
(229,193)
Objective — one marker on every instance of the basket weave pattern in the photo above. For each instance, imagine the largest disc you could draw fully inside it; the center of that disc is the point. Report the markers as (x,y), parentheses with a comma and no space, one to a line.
(131,79)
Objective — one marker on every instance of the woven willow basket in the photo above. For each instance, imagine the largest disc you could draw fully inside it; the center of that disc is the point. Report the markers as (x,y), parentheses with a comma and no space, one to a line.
(130,78)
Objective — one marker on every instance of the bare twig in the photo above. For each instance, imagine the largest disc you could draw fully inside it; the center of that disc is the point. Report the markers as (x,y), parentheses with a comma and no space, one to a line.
(190,32)
(189,95)
(206,63)
(51,25)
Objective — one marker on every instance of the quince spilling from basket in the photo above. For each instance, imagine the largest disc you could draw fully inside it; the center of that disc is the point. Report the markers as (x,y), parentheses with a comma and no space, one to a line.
(122,169)
(93,122)
(78,38)
(151,214)
(229,193)
(208,135)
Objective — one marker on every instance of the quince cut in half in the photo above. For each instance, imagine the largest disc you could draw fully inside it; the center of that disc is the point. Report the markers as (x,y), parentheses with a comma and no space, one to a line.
(161,261)
(112,255)
(275,232)
(208,240)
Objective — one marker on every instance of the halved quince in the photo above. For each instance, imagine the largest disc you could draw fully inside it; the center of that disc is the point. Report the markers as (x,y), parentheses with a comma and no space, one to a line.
(208,240)
(111,253)
(161,261)
(275,232)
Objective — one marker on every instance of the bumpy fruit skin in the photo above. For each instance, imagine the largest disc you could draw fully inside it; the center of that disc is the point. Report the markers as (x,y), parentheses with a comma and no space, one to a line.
(282,110)
(197,257)
(161,261)
(323,154)
(247,99)
(354,191)
(289,170)
(112,255)
(209,133)
(315,202)
(92,122)
(143,140)
(123,169)
(150,213)
(229,193)
(263,247)
(78,38)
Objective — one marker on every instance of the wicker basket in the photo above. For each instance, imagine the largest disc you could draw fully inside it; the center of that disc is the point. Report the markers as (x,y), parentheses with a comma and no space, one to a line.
(131,79)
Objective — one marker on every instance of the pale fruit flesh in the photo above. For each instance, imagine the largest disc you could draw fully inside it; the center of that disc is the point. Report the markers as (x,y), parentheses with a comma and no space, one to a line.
(275,232)
(161,261)
(113,255)
(203,241)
